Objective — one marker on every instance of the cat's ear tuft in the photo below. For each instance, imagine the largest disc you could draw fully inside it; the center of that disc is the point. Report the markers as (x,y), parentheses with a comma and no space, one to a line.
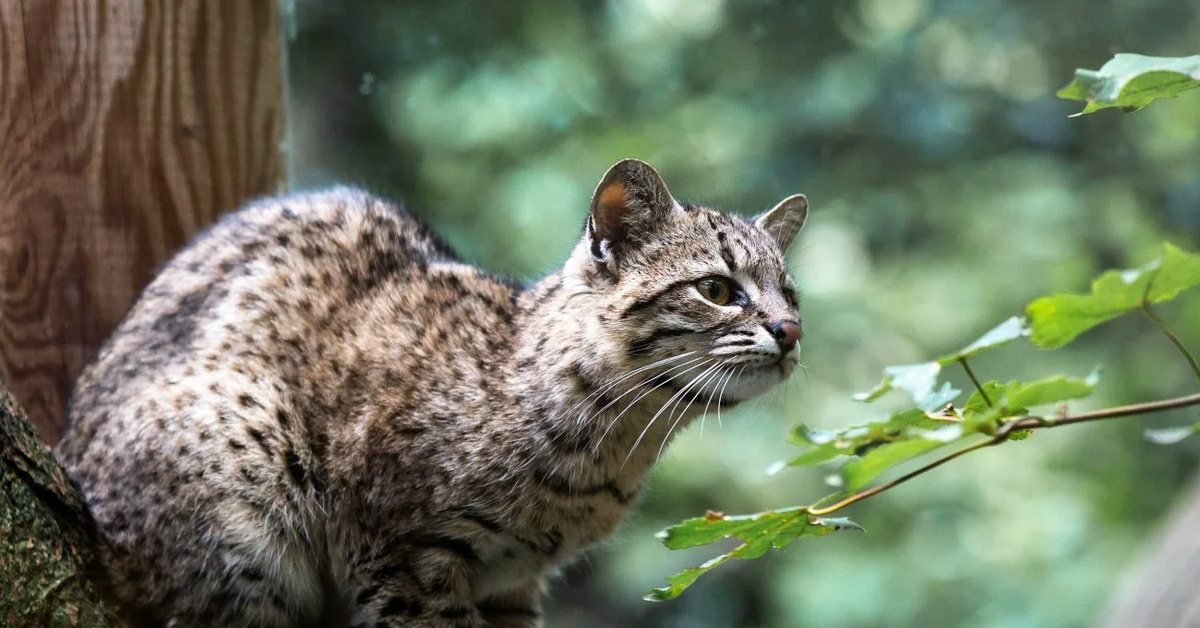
(784,220)
(630,199)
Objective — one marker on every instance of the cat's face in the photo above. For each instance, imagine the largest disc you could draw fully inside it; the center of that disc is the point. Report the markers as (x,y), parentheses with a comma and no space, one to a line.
(699,298)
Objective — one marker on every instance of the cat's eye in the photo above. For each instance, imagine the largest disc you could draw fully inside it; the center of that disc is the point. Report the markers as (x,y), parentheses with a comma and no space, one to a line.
(719,290)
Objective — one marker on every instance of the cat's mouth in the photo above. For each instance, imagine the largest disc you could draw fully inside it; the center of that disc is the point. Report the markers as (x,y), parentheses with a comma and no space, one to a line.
(782,363)
(760,377)
(733,381)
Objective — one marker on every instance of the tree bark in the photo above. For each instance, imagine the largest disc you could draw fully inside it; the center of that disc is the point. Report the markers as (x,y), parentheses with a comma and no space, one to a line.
(48,564)
(126,126)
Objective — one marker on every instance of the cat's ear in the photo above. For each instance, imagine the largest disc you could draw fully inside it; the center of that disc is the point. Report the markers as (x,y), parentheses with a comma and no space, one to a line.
(784,220)
(629,201)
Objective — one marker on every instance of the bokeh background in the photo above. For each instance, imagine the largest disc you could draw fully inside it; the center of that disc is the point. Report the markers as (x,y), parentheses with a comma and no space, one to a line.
(949,188)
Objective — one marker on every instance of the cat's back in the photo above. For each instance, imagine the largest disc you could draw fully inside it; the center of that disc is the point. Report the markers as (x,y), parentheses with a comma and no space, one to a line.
(274,274)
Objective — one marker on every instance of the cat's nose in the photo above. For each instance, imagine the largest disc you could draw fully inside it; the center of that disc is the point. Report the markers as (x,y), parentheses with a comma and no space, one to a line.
(786,333)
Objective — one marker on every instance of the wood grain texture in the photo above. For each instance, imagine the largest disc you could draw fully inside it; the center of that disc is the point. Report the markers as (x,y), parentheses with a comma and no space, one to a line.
(125,127)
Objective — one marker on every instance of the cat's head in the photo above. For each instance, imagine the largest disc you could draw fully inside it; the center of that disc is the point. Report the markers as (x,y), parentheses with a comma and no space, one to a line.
(693,294)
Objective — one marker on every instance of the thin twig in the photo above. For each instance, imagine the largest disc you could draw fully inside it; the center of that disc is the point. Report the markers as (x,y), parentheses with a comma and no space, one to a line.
(1154,318)
(902,479)
(1001,435)
(974,380)
(1036,422)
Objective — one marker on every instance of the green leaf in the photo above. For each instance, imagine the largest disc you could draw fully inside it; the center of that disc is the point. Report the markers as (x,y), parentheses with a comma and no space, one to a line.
(1059,319)
(1179,271)
(939,399)
(920,380)
(903,421)
(1013,398)
(1048,390)
(677,583)
(977,407)
(715,527)
(916,438)
(852,441)
(817,455)
(915,379)
(1132,81)
(1171,435)
(858,473)
(805,435)
(760,532)
(1020,434)
(823,442)
(1008,331)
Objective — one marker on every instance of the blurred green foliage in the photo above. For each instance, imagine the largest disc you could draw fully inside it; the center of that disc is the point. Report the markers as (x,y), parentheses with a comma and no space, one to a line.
(948,187)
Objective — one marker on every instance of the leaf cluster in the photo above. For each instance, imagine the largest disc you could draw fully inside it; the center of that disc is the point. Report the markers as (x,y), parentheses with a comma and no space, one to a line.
(995,412)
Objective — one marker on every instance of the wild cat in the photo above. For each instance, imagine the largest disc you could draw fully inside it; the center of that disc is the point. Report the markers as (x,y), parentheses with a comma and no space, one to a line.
(317,415)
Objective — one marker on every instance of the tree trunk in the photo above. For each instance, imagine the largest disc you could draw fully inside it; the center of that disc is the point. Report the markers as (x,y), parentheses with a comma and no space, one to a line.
(126,126)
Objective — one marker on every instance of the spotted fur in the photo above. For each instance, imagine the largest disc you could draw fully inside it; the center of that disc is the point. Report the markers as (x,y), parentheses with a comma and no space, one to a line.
(317,415)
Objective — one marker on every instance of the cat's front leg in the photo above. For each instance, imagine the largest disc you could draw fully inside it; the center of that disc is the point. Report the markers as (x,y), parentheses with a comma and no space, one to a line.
(519,608)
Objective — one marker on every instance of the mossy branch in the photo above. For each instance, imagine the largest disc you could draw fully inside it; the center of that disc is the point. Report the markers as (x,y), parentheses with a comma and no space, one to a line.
(47,544)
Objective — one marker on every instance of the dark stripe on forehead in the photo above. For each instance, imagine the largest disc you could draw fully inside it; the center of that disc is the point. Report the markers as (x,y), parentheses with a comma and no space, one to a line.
(726,252)
(642,304)
(761,257)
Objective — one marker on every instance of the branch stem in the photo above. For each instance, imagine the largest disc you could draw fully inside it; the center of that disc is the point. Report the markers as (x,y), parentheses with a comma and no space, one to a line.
(874,490)
(975,380)
(1034,422)
(1154,318)
(1001,435)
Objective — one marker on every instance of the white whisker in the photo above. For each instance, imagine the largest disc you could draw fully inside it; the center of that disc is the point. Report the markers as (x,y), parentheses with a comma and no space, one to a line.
(721,395)
(728,374)
(634,387)
(646,429)
(712,372)
(749,358)
(637,399)
(608,386)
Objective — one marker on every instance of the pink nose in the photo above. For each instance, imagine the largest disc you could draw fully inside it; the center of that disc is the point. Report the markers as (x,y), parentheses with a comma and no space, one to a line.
(787,334)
